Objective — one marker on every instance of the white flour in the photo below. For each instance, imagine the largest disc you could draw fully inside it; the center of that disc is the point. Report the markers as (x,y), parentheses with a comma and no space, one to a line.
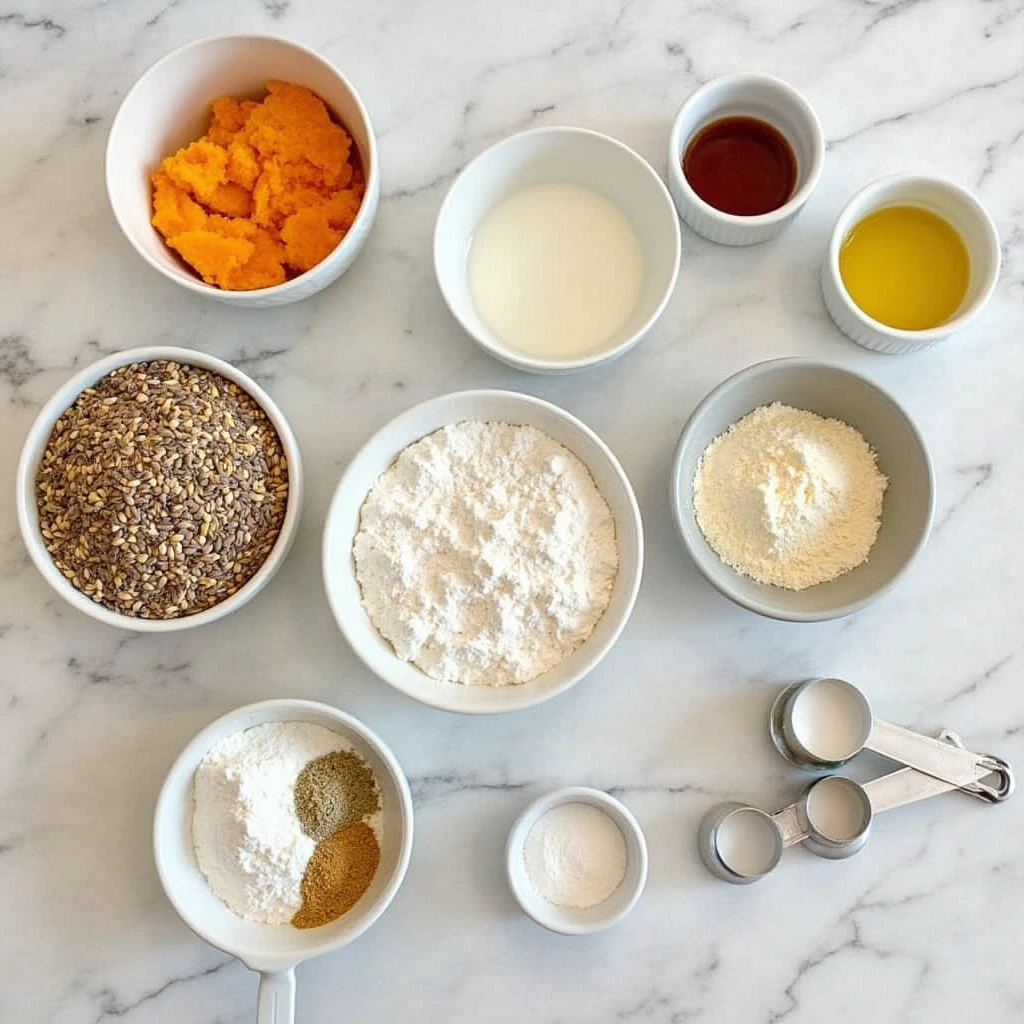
(575,856)
(789,498)
(485,553)
(246,834)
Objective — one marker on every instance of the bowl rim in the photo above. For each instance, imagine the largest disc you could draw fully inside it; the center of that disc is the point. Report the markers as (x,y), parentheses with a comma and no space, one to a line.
(192,281)
(35,445)
(506,353)
(435,697)
(677,145)
(560,919)
(852,211)
(679,509)
(281,709)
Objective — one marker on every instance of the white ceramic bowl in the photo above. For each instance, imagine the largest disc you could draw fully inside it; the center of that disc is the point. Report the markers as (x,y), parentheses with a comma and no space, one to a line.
(35,445)
(274,950)
(377,455)
(745,95)
(563,919)
(169,106)
(557,155)
(945,198)
(829,391)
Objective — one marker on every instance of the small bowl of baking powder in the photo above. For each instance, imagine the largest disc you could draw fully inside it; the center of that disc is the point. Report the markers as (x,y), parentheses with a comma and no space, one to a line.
(801,490)
(576,860)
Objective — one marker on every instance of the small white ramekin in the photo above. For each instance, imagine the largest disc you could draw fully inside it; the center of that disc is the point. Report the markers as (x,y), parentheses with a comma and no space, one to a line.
(562,919)
(948,200)
(39,436)
(745,95)
(169,107)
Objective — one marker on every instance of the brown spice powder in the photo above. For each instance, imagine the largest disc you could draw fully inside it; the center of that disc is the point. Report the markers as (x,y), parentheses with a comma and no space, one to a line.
(339,872)
(333,792)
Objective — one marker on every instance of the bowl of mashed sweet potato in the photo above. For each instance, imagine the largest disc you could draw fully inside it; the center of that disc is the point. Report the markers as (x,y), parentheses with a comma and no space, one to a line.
(244,168)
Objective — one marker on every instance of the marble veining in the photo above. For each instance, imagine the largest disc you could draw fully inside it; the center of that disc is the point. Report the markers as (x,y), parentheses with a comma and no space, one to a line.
(924,925)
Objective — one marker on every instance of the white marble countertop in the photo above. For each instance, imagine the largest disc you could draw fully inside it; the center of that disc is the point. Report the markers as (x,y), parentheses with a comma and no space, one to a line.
(924,925)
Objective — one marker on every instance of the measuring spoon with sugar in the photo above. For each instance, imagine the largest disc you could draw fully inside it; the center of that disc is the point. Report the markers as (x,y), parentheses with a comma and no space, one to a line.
(820,724)
(740,844)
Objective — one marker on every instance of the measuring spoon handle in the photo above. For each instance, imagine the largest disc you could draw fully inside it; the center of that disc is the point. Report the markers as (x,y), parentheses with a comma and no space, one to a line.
(793,825)
(935,757)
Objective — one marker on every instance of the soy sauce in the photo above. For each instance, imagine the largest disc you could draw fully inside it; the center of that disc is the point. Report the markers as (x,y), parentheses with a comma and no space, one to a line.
(741,165)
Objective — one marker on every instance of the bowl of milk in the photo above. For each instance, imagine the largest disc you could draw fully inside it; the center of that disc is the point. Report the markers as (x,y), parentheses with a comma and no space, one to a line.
(557,249)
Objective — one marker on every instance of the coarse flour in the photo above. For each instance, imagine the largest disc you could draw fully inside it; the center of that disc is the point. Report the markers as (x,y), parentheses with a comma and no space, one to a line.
(247,837)
(788,497)
(485,553)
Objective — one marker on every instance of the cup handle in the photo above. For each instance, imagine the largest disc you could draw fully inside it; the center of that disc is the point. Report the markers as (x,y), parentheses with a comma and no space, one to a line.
(276,1001)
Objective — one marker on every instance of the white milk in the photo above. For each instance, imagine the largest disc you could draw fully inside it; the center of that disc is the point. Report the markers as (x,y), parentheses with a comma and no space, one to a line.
(828,719)
(746,842)
(835,809)
(555,270)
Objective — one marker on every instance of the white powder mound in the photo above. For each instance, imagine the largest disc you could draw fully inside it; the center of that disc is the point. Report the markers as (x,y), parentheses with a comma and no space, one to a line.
(486,554)
(575,856)
(788,497)
(247,837)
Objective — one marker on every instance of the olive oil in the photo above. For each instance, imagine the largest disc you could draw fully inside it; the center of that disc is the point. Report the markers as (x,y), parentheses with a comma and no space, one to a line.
(906,267)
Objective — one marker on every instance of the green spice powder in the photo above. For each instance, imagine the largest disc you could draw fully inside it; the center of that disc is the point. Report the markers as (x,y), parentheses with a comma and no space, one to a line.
(333,792)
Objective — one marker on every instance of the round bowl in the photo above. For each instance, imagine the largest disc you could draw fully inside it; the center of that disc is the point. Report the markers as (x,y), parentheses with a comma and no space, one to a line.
(343,523)
(558,155)
(35,445)
(745,95)
(169,107)
(955,205)
(274,950)
(564,919)
(902,456)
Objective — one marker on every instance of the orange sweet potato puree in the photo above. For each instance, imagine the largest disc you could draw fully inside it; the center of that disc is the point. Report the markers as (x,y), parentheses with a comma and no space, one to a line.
(264,195)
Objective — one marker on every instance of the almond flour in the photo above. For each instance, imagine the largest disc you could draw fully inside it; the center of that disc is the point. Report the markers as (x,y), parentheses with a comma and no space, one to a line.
(788,497)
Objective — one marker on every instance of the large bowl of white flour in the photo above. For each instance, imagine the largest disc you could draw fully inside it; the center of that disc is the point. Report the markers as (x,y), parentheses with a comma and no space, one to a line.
(483,551)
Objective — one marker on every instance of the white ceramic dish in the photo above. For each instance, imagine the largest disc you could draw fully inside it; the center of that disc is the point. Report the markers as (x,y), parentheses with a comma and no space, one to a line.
(343,523)
(902,456)
(749,95)
(169,106)
(35,445)
(274,950)
(562,919)
(948,200)
(558,155)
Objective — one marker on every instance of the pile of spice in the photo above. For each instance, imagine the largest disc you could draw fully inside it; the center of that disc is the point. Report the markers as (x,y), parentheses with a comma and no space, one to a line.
(286,824)
(486,554)
(575,856)
(161,490)
(267,193)
(788,497)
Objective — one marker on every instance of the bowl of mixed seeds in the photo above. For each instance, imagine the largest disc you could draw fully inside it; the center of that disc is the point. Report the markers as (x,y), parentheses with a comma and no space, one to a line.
(159,489)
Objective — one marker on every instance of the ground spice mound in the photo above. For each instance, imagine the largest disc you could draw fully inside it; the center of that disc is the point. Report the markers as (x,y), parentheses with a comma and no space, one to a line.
(265,195)
(333,792)
(161,490)
(339,872)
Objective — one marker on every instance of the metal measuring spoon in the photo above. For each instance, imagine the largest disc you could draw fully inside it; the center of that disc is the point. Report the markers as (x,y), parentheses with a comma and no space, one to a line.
(832,818)
(820,724)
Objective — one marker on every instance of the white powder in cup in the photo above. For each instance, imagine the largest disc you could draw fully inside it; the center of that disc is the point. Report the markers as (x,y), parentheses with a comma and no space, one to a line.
(575,856)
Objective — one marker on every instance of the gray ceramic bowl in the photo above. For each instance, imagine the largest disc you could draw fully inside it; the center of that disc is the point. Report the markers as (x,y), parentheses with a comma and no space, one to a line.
(902,456)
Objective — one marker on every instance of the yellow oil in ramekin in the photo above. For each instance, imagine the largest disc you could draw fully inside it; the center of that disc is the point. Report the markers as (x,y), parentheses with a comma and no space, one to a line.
(906,267)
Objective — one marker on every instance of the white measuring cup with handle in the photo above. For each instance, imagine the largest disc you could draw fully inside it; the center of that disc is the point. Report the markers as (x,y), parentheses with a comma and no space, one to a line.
(275,950)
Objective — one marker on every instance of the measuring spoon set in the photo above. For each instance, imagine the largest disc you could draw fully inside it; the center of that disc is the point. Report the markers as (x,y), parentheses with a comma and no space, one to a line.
(820,725)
